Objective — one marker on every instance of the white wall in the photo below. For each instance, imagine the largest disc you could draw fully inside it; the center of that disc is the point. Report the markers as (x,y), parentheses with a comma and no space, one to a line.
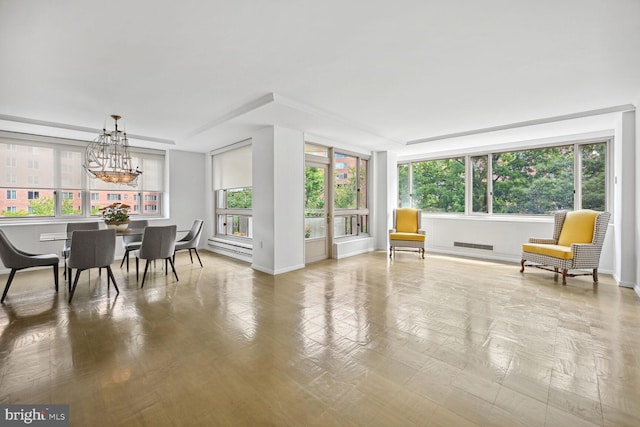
(188,190)
(506,235)
(278,200)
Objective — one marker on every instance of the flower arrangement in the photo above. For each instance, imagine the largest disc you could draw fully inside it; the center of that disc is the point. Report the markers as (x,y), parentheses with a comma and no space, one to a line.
(115,214)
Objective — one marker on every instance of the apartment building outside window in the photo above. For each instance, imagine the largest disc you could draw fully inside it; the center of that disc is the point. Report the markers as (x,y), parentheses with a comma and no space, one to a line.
(55,185)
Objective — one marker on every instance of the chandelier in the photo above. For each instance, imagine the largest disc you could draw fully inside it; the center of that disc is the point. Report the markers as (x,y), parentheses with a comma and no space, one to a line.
(107,158)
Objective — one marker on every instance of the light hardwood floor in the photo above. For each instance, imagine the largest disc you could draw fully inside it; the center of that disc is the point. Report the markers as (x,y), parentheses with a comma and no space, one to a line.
(360,341)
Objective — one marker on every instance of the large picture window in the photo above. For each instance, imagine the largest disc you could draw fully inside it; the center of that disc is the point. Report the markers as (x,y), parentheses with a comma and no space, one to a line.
(49,181)
(536,181)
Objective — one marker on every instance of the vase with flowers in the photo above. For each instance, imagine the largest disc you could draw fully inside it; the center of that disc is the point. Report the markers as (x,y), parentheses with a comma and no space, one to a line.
(116,215)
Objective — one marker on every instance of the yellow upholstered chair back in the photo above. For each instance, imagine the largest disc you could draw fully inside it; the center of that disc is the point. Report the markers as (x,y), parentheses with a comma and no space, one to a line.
(407,220)
(578,227)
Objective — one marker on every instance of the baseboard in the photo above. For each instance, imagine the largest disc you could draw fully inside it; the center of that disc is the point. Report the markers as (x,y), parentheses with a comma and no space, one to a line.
(277,271)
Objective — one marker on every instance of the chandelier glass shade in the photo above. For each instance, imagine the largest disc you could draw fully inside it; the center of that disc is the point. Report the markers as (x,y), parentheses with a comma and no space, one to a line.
(107,158)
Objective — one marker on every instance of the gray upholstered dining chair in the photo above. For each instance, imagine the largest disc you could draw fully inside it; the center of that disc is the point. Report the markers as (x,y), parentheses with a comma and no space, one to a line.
(15,259)
(92,249)
(157,243)
(131,243)
(71,227)
(191,240)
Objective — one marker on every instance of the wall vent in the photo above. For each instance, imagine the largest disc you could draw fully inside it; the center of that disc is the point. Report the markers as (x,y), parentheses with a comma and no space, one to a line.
(473,245)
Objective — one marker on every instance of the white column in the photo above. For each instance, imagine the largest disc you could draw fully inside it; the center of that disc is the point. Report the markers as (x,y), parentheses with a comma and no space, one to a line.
(278,200)
(625,221)
(386,195)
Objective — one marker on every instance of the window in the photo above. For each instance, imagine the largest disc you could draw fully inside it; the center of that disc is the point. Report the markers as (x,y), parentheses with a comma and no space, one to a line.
(480,183)
(11,195)
(233,212)
(536,181)
(438,185)
(150,208)
(52,183)
(533,181)
(150,197)
(114,196)
(350,198)
(232,182)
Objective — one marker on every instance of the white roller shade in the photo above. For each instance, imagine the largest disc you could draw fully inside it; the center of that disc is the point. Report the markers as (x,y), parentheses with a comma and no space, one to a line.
(232,169)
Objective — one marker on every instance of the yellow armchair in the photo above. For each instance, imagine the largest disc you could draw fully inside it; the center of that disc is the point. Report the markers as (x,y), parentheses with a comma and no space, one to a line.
(576,244)
(407,230)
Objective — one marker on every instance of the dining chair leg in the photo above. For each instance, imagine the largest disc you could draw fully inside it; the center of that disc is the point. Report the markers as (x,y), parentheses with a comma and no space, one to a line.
(113,279)
(198,255)
(124,258)
(174,269)
(137,276)
(55,275)
(166,267)
(75,283)
(144,275)
(6,288)
(191,255)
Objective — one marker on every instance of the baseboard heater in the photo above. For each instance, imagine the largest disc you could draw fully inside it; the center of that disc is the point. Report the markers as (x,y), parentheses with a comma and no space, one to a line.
(473,246)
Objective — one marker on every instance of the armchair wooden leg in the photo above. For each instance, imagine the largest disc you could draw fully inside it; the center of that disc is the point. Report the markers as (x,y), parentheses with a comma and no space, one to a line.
(422,250)
(564,276)
(6,288)
(390,251)
(595,275)
(522,266)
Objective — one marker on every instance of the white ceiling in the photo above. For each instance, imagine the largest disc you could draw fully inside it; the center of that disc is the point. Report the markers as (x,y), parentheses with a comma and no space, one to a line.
(370,73)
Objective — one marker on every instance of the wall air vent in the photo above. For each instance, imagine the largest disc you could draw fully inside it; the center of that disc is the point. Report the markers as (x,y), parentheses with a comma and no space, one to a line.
(473,246)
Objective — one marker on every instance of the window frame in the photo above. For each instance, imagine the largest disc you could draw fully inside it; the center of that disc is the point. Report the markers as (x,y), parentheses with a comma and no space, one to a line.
(576,145)
(62,150)
(361,212)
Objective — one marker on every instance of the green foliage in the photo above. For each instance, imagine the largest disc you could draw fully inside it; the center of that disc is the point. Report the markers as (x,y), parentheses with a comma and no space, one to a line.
(403,186)
(479,184)
(533,181)
(239,198)
(438,185)
(43,206)
(314,188)
(345,196)
(593,177)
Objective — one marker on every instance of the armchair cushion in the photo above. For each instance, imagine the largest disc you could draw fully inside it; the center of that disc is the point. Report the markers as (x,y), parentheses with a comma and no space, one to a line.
(407,220)
(556,251)
(414,237)
(578,227)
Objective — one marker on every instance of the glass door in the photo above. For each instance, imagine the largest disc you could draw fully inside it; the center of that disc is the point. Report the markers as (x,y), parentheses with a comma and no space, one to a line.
(317,221)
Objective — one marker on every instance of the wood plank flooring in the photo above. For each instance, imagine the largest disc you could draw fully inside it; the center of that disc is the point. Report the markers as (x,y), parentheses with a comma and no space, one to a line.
(361,341)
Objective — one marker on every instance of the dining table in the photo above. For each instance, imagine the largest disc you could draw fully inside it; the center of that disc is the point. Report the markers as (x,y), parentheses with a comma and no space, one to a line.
(63,235)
